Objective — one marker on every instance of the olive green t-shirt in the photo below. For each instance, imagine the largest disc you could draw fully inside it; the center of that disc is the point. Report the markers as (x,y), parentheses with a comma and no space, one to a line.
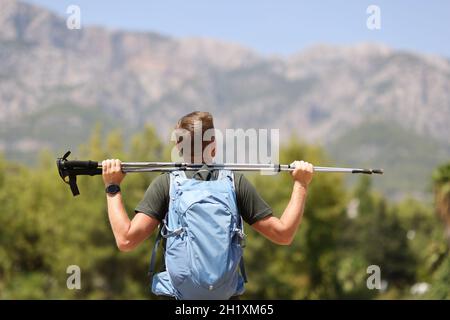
(250,204)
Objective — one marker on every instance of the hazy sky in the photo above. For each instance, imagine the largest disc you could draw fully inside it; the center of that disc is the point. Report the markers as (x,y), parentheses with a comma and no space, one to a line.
(281,27)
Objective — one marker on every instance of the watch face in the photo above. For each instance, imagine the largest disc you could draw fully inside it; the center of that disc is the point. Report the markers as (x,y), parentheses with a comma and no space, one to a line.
(113,189)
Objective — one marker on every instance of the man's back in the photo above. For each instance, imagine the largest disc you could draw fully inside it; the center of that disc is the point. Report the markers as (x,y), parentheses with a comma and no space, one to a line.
(251,206)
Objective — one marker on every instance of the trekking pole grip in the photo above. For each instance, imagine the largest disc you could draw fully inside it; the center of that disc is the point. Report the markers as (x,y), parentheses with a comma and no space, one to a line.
(70,169)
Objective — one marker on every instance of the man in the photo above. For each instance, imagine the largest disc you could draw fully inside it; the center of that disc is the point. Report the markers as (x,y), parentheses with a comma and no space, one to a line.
(155,205)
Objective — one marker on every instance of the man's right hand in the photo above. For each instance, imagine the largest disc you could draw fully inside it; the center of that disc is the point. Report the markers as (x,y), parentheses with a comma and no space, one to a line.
(303,172)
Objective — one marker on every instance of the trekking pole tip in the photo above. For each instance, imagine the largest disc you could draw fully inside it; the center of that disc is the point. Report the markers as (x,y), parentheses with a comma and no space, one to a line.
(365,171)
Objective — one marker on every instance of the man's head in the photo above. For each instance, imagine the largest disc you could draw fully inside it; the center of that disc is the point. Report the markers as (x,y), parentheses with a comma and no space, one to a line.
(195,137)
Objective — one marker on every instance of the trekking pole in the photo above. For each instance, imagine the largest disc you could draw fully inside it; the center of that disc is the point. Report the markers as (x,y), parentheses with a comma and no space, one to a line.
(72,168)
(126,167)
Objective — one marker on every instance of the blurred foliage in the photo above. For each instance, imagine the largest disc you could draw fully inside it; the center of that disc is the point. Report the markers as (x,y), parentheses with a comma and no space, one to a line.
(43,230)
(409,157)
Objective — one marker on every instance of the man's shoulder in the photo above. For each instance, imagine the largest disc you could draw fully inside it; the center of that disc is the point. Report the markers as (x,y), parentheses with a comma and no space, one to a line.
(163,177)
(162,181)
(238,176)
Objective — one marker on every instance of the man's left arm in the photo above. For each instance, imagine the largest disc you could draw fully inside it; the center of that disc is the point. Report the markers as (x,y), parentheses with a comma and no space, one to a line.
(282,230)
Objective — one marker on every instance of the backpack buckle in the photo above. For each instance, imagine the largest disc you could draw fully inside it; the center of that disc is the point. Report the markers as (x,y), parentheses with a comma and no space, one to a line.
(242,237)
(166,232)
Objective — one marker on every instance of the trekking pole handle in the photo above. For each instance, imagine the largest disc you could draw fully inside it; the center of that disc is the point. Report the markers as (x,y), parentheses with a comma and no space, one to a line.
(79,164)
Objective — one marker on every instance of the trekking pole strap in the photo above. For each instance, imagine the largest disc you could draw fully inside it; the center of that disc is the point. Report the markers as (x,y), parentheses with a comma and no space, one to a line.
(73,185)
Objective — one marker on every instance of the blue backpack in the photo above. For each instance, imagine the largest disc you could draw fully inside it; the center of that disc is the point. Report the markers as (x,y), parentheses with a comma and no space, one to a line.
(204,240)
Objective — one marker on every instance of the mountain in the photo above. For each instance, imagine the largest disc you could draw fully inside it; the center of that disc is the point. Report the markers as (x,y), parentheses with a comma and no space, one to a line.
(56,83)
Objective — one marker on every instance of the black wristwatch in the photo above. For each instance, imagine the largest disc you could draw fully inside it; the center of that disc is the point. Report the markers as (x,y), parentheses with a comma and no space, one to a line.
(112,189)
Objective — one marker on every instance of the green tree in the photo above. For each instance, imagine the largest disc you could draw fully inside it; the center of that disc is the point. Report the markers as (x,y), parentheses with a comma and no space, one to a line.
(305,269)
(441,180)
(44,229)
(439,251)
(375,236)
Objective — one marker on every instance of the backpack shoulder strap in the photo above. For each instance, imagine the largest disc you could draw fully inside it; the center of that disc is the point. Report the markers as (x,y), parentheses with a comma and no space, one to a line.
(178,174)
(223,174)
(175,179)
(228,174)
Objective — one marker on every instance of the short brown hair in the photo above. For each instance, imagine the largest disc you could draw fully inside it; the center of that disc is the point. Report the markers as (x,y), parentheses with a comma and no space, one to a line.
(191,123)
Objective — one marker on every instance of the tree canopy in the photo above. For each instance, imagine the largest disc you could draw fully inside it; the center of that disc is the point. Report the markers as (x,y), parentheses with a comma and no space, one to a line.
(44,230)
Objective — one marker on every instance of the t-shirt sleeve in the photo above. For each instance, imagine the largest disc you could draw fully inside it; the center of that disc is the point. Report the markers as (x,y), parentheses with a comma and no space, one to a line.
(250,204)
(155,202)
